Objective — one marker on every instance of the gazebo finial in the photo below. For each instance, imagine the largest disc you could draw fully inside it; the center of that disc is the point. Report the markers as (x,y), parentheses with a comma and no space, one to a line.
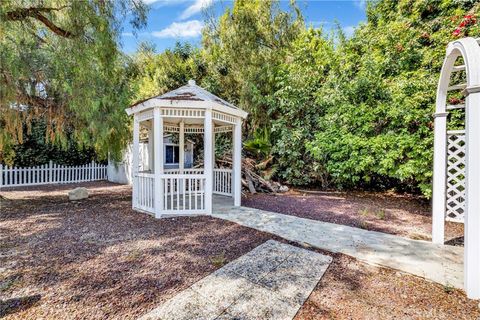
(192,82)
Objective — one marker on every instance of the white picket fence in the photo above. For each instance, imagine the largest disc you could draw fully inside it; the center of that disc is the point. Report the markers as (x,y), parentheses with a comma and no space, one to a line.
(51,173)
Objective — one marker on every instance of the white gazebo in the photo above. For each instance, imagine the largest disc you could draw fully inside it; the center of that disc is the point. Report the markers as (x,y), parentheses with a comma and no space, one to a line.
(187,110)
(456,174)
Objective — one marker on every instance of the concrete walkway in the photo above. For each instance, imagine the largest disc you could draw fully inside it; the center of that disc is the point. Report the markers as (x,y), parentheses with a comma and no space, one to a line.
(441,264)
(270,282)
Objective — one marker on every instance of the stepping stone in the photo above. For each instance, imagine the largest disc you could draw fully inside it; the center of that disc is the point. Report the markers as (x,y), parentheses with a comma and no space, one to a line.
(262,304)
(261,260)
(270,282)
(222,287)
(188,304)
(296,277)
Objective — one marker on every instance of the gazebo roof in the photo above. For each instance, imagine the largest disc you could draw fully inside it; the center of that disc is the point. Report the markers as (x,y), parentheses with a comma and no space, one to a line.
(187,96)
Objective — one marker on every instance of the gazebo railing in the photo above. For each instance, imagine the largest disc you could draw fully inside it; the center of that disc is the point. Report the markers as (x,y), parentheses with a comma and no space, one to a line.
(185,171)
(144,195)
(183,193)
(222,181)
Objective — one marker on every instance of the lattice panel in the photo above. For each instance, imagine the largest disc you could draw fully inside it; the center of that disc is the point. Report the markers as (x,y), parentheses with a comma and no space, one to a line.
(455,202)
(176,129)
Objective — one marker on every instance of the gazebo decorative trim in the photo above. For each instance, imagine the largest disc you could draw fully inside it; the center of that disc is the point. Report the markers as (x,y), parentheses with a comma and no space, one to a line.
(173,128)
(456,174)
(189,109)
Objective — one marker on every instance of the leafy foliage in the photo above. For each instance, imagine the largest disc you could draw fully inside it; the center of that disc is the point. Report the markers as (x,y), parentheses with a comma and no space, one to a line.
(340,112)
(294,108)
(154,74)
(244,49)
(60,63)
(259,144)
(377,128)
(36,150)
(325,109)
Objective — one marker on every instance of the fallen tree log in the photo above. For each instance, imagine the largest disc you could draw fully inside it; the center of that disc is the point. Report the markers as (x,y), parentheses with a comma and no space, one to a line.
(252,179)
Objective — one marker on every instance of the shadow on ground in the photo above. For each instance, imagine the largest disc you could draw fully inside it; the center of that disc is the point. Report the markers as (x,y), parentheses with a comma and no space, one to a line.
(97,258)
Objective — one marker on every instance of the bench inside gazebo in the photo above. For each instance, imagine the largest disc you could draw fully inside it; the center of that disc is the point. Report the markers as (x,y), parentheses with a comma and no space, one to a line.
(189,109)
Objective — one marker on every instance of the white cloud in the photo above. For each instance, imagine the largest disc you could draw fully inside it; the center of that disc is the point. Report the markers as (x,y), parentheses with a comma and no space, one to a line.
(195,8)
(317,24)
(187,29)
(349,31)
(362,4)
(162,3)
(127,34)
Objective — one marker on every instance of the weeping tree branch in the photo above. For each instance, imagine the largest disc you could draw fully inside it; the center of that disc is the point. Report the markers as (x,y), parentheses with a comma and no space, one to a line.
(34,101)
(37,13)
(25,98)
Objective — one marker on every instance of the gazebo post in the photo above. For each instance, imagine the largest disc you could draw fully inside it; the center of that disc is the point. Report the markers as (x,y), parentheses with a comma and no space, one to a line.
(237,163)
(208,163)
(158,159)
(213,160)
(181,161)
(472,198)
(213,148)
(151,166)
(135,159)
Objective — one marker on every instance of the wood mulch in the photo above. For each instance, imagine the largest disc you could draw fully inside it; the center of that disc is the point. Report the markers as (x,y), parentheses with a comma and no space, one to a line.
(354,290)
(404,215)
(98,259)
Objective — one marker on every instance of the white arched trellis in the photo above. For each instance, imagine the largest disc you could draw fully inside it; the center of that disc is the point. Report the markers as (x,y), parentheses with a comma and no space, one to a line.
(456,176)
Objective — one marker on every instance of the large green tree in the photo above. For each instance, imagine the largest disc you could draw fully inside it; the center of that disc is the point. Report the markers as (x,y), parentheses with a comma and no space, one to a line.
(243,50)
(154,74)
(296,106)
(377,127)
(60,62)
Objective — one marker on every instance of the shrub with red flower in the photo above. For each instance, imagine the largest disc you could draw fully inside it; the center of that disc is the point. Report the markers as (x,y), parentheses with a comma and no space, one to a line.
(455,100)
(466,26)
(457,32)
(468,20)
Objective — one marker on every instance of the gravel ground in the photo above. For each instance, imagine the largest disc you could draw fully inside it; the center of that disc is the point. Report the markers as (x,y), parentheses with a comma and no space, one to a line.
(98,259)
(353,290)
(403,215)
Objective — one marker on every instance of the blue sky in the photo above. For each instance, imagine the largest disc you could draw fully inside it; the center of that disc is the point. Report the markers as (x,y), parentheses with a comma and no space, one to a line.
(170,21)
